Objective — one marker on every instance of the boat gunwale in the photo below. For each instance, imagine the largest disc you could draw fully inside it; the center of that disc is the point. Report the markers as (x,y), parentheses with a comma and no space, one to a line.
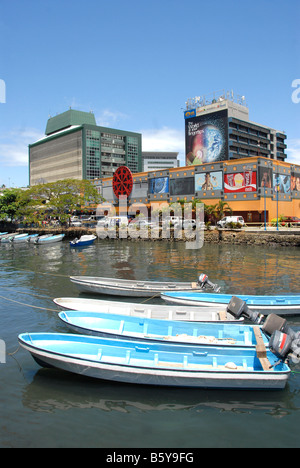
(167,339)
(69,358)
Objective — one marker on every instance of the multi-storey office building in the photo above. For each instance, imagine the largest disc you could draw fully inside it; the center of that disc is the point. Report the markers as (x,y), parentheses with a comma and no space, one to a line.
(75,147)
(217,128)
(156,160)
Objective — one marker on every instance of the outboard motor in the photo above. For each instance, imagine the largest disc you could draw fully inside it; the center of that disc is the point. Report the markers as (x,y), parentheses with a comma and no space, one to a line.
(283,342)
(238,308)
(286,345)
(204,282)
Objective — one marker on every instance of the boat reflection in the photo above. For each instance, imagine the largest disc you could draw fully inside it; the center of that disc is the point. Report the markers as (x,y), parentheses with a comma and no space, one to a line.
(52,390)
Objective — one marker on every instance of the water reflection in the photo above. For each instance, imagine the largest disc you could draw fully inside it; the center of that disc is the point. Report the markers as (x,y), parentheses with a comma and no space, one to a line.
(53,390)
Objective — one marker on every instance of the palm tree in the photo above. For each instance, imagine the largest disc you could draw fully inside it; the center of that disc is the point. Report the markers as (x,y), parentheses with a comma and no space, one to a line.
(221,208)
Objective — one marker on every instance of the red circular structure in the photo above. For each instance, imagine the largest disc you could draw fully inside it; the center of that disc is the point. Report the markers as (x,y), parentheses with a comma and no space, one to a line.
(122,182)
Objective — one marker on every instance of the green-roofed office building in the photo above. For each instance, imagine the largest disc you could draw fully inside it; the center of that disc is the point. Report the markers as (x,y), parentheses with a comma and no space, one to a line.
(75,147)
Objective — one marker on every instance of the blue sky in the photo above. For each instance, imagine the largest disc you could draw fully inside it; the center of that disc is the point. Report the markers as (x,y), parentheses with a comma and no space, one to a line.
(134,63)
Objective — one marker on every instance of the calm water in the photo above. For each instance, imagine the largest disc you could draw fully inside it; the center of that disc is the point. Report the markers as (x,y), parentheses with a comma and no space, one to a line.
(49,408)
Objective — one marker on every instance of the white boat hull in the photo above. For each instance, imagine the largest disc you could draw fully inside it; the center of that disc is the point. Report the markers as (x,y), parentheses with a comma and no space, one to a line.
(163,312)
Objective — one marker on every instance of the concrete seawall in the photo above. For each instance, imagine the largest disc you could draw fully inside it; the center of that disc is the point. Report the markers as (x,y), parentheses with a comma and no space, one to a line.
(283,237)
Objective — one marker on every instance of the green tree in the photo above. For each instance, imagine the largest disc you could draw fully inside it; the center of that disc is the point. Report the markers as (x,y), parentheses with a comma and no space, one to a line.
(11,203)
(221,209)
(58,199)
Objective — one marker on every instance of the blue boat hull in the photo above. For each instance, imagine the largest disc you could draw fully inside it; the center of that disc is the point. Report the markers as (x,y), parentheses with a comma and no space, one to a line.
(82,244)
(149,330)
(155,364)
(283,305)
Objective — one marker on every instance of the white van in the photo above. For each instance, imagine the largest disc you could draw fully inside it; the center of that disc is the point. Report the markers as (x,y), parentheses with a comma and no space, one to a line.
(231,219)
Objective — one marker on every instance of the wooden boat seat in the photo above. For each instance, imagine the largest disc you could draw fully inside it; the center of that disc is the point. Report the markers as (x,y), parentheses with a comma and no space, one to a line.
(261,351)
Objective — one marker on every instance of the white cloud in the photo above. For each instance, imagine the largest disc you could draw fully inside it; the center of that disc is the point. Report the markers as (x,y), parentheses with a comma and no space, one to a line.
(108,118)
(164,139)
(14,146)
(293,151)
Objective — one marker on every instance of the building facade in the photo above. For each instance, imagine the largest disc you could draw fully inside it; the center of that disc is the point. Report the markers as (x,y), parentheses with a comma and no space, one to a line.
(75,147)
(156,160)
(256,188)
(217,128)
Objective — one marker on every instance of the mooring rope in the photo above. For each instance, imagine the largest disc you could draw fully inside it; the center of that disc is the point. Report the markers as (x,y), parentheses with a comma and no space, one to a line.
(28,305)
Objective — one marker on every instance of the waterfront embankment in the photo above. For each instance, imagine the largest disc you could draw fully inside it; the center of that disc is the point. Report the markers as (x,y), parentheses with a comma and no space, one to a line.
(283,237)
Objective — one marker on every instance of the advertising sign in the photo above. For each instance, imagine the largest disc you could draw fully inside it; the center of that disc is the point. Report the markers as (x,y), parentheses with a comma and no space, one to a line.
(240,182)
(209,181)
(295,182)
(265,177)
(282,183)
(184,186)
(159,185)
(206,138)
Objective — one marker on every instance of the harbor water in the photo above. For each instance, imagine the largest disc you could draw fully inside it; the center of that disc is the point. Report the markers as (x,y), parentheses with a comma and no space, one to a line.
(50,408)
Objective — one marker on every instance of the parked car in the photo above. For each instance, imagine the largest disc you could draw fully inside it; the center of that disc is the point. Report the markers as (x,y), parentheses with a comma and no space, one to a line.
(192,223)
(174,221)
(291,220)
(112,221)
(75,223)
(230,219)
(143,223)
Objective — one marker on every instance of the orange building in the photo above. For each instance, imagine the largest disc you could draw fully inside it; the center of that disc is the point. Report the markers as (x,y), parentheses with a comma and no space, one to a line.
(256,188)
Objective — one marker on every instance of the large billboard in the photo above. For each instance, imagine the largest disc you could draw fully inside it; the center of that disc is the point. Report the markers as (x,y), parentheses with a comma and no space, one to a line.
(159,185)
(209,181)
(240,182)
(182,186)
(206,139)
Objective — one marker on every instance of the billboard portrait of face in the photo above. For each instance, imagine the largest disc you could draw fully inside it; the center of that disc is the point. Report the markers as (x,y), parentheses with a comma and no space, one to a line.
(209,181)
(206,138)
(265,176)
(295,182)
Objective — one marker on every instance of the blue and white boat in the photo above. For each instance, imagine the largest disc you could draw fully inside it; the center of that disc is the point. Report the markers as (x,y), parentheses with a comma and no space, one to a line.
(20,238)
(83,241)
(7,238)
(32,237)
(49,239)
(161,364)
(171,331)
(282,305)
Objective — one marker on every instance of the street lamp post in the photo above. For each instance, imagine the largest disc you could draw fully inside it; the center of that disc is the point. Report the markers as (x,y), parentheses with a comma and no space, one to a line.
(277,196)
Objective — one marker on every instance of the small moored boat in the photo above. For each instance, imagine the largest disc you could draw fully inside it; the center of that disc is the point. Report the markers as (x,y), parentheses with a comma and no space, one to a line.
(122,287)
(135,328)
(146,310)
(83,241)
(282,305)
(161,364)
(49,239)
(20,238)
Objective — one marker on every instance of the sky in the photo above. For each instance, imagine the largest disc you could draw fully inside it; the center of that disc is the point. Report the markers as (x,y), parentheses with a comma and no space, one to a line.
(134,63)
